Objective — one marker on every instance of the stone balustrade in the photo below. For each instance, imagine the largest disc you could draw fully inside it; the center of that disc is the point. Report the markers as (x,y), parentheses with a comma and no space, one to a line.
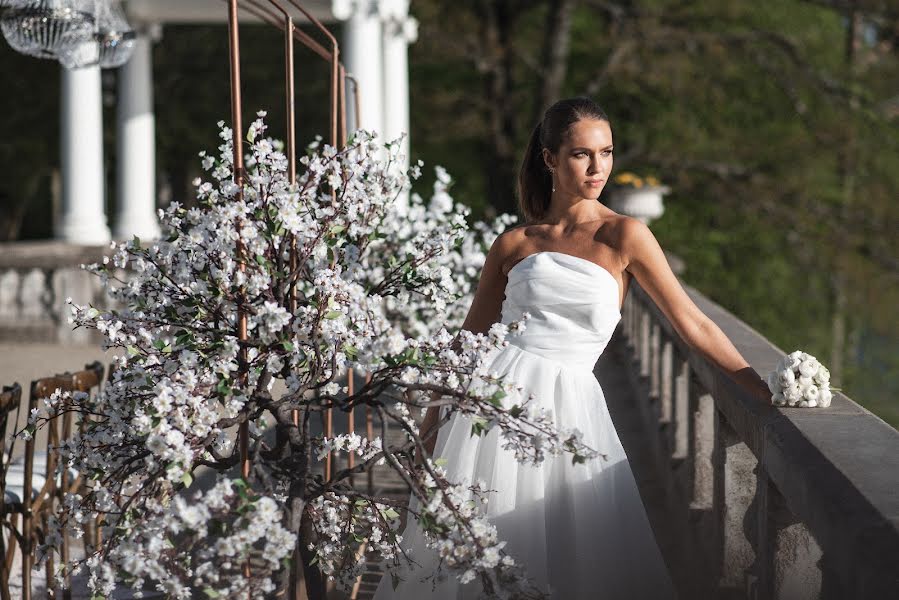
(35,280)
(768,502)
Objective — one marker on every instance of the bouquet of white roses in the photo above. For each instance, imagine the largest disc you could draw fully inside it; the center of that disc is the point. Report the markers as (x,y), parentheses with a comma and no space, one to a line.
(800,380)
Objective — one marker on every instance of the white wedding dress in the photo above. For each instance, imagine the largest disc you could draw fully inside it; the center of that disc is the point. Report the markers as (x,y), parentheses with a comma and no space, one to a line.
(580,531)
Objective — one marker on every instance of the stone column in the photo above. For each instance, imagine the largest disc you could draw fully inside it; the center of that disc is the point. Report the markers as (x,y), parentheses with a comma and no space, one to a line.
(789,564)
(136,164)
(400,30)
(738,491)
(362,54)
(83,218)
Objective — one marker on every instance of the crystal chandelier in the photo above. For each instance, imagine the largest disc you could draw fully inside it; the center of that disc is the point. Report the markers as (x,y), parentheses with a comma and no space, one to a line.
(114,36)
(47,28)
(78,33)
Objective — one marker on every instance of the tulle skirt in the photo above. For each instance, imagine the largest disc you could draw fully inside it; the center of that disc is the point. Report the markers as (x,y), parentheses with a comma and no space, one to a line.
(580,531)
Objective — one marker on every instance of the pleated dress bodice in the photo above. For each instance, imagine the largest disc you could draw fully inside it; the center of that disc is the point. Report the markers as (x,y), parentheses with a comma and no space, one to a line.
(573,303)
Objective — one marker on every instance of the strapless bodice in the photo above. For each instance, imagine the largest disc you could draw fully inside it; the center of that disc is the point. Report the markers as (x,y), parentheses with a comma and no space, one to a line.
(573,304)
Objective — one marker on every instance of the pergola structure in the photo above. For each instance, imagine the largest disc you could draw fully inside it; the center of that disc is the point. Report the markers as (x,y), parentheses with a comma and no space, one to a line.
(374,49)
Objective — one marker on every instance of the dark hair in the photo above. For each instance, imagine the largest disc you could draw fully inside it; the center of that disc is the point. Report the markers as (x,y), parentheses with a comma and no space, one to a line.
(534,179)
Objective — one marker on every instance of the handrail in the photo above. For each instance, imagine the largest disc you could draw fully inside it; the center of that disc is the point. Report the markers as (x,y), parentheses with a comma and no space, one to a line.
(770,479)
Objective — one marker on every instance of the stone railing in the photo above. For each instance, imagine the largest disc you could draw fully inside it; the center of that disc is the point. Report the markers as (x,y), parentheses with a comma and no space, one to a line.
(768,502)
(35,280)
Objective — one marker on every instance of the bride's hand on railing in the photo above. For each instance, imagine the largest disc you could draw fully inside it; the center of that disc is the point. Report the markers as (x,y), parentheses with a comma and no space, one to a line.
(761,392)
(751,381)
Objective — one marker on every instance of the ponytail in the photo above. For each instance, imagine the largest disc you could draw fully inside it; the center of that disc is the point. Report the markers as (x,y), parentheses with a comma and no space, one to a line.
(534,178)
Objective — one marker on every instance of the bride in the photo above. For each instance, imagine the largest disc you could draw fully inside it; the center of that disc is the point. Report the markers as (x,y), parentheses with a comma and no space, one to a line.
(580,531)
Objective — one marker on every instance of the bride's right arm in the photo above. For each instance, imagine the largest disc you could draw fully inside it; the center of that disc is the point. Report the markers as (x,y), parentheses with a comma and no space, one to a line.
(484,311)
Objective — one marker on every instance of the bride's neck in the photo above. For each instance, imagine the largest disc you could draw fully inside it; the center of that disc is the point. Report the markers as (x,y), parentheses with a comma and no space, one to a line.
(568,212)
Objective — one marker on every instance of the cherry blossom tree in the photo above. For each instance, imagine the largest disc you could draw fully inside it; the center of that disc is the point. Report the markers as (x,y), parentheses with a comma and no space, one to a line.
(332,273)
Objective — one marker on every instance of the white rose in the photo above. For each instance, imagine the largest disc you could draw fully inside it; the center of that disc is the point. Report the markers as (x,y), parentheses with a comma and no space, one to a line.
(824,398)
(812,393)
(792,393)
(808,367)
(778,399)
(804,382)
(786,378)
(792,360)
(822,376)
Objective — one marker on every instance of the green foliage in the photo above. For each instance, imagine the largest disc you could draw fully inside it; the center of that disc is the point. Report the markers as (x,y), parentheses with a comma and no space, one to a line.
(783,156)
(784,160)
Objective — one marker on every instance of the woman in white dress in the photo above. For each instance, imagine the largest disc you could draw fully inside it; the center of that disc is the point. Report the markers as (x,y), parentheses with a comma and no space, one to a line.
(580,531)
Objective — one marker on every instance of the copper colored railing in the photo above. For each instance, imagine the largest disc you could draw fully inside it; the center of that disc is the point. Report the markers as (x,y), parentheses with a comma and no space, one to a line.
(274,13)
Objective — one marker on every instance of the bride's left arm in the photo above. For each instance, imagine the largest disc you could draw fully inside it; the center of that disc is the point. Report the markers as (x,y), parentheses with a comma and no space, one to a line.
(647,263)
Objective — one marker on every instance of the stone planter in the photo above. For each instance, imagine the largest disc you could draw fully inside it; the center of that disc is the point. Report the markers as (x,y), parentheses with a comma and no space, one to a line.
(644,203)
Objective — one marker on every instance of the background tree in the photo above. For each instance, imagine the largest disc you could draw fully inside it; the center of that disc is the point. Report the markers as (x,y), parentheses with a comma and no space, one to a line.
(751,112)
(782,152)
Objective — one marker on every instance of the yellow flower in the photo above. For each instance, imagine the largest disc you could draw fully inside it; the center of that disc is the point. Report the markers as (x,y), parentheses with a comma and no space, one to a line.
(627,178)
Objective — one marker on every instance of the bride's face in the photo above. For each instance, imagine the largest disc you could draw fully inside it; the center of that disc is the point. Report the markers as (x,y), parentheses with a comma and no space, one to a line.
(584,160)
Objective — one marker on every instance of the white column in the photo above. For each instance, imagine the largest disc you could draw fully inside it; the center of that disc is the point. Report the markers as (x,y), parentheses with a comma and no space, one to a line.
(399,31)
(136,140)
(83,219)
(362,55)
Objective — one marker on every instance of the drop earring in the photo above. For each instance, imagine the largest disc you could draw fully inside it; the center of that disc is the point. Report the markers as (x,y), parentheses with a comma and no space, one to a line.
(551,173)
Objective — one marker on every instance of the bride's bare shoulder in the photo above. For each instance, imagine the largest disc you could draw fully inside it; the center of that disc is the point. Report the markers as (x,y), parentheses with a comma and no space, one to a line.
(636,241)
(507,244)
(509,239)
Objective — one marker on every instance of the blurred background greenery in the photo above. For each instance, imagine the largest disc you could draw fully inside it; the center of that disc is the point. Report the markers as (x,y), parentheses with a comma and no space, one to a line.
(775,122)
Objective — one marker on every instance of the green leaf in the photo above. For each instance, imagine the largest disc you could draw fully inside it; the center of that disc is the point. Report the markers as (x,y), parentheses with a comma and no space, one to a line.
(211,592)
(478,426)
(496,398)
(333,314)
(441,462)
(223,388)
(136,241)
(335,229)
(187,479)
(287,346)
